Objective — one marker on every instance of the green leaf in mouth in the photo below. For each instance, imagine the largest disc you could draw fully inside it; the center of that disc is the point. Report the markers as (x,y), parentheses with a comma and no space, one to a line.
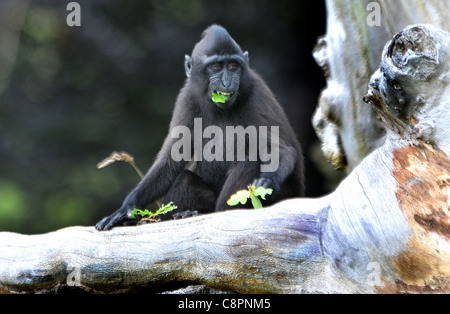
(219,98)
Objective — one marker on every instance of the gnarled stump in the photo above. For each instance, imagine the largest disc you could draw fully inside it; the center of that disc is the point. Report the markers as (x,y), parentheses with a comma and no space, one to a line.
(350,53)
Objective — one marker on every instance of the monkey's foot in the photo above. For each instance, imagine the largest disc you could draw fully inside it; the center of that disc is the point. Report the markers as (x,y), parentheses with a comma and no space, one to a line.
(185,214)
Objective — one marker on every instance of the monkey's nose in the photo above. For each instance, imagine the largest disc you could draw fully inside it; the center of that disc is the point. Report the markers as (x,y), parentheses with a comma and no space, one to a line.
(226,83)
(226,80)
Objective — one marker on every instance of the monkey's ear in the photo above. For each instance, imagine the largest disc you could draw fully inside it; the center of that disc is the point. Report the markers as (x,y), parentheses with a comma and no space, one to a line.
(187,65)
(246,57)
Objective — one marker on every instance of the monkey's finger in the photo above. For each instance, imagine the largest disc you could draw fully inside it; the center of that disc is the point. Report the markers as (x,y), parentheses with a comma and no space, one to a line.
(264,182)
(110,221)
(101,224)
(114,220)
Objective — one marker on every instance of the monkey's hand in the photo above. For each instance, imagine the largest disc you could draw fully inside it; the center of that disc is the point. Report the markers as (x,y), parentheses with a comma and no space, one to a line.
(265,183)
(120,217)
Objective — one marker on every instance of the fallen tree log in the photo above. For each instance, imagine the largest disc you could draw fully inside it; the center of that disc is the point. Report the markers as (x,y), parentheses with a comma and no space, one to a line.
(386,228)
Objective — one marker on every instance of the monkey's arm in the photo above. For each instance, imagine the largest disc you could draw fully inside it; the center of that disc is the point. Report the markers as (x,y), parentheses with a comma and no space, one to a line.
(158,179)
(155,184)
(278,169)
(275,172)
(160,176)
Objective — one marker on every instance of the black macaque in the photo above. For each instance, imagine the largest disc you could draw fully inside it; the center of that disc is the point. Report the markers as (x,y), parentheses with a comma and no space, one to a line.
(204,183)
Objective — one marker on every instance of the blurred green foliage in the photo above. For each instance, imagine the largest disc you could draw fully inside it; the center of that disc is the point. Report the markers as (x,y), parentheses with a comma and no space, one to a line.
(69,96)
(12,205)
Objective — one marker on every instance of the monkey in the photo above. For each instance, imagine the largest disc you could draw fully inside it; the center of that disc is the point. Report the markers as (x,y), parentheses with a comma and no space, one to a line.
(219,67)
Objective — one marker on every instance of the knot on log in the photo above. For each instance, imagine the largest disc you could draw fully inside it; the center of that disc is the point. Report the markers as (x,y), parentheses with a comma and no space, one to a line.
(413,52)
(321,57)
(411,82)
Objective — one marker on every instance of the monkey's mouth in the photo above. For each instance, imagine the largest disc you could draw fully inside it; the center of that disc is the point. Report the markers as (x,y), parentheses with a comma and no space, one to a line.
(224,93)
(221,97)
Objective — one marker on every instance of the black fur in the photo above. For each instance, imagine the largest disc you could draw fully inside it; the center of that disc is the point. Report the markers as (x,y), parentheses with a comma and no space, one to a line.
(206,186)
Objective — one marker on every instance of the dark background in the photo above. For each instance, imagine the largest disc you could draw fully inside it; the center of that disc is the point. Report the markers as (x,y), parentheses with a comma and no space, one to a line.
(75,94)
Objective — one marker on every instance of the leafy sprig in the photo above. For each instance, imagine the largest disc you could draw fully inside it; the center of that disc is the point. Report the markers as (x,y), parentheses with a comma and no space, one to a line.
(251,193)
(164,209)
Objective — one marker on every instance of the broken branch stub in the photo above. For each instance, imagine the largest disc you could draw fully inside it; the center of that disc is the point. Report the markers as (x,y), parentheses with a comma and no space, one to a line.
(349,54)
(410,90)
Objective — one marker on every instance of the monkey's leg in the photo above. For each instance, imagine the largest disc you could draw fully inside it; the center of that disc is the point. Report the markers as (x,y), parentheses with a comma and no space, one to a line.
(239,178)
(190,194)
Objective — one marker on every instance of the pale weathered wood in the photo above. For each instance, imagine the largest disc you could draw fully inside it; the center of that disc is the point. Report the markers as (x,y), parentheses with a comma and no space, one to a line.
(350,53)
(268,250)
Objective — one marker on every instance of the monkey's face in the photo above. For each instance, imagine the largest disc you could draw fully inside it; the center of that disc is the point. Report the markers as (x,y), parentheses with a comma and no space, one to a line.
(224,77)
(218,67)
(219,75)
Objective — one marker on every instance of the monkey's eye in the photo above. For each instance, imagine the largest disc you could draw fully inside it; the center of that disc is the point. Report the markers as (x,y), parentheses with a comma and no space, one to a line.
(233,66)
(216,67)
